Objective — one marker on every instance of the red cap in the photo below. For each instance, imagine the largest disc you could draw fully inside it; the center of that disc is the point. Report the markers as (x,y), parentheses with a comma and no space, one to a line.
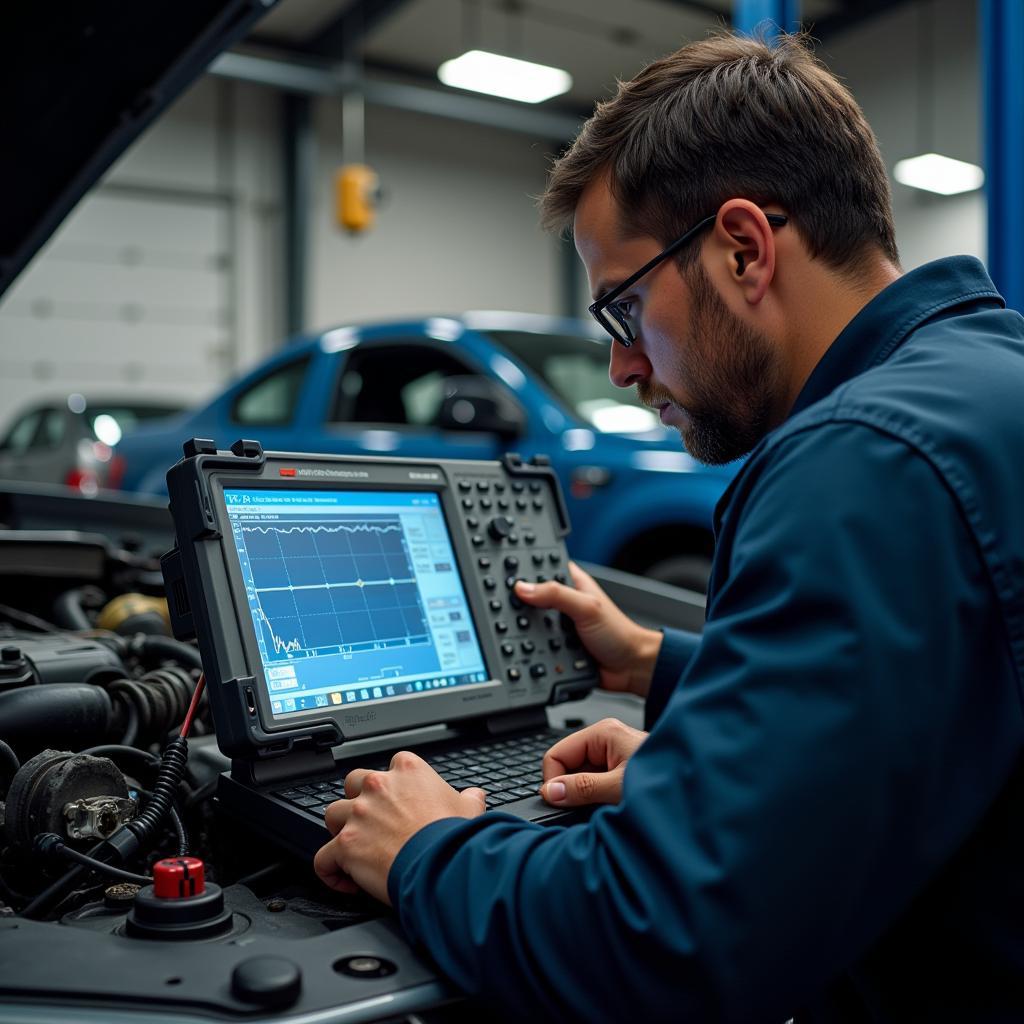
(178,878)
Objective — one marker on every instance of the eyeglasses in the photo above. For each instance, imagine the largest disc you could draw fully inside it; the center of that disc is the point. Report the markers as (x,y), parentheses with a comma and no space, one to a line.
(610,314)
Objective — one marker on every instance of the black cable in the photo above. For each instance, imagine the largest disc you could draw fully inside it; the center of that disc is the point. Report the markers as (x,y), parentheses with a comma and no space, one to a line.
(68,609)
(58,888)
(179,829)
(62,850)
(26,619)
(115,750)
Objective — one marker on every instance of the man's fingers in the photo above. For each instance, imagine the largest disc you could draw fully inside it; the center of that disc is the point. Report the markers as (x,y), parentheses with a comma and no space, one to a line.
(578,606)
(475,800)
(588,746)
(328,868)
(585,583)
(584,788)
(354,782)
(336,816)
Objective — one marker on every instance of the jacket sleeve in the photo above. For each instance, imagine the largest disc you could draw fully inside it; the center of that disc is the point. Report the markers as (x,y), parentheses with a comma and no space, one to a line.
(823,757)
(677,650)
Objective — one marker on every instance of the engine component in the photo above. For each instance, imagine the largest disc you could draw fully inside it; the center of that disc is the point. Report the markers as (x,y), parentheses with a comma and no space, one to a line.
(180,904)
(128,614)
(58,658)
(154,703)
(97,817)
(46,794)
(36,717)
(15,670)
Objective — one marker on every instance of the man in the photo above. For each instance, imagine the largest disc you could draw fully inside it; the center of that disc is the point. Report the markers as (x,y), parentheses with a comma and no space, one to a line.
(825,818)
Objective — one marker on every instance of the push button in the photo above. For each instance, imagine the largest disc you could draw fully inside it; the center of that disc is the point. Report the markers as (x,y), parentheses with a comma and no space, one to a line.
(486,503)
(537,559)
(511,563)
(490,582)
(472,522)
(528,646)
(554,558)
(494,604)
(554,643)
(464,486)
(477,541)
(523,622)
(538,671)
(522,504)
(483,486)
(501,627)
(507,649)
(535,486)
(514,674)
(538,504)
(467,503)
(517,486)
(484,562)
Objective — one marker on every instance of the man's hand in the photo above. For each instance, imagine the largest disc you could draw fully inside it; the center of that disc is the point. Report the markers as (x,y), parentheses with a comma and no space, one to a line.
(382,811)
(624,650)
(588,766)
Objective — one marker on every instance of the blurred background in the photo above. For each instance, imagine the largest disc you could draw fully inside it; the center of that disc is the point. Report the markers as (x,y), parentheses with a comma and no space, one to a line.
(321,175)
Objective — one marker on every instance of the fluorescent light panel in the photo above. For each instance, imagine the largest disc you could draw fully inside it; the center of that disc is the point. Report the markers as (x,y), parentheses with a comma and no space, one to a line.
(513,79)
(942,174)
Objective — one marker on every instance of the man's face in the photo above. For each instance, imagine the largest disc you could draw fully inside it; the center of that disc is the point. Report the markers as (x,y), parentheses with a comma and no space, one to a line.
(700,366)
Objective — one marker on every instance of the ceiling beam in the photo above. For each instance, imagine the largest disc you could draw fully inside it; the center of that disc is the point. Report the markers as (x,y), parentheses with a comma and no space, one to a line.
(336,80)
(342,38)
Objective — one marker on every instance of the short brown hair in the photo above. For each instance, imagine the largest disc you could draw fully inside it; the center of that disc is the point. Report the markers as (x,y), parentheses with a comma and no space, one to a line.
(733,116)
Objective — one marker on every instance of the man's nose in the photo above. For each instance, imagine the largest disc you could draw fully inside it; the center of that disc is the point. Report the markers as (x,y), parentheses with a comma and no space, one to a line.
(628,366)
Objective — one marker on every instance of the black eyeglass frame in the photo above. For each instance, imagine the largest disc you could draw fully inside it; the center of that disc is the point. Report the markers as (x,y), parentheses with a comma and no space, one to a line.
(604,310)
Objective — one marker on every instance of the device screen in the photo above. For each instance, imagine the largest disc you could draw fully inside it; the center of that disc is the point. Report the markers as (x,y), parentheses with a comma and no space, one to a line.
(355,596)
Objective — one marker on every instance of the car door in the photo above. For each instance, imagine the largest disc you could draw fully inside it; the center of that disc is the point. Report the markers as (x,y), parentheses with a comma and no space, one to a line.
(388,397)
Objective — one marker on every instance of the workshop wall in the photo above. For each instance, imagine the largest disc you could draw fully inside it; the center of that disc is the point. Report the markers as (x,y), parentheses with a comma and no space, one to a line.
(458,229)
(918,104)
(165,278)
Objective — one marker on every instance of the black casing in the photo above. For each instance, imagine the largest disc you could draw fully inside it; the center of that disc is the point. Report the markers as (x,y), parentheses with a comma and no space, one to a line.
(207,598)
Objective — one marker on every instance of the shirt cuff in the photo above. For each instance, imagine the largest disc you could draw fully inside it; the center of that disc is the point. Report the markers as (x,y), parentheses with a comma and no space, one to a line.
(677,649)
(415,845)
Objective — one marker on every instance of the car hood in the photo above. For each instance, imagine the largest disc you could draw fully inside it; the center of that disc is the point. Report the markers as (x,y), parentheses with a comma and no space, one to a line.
(82,84)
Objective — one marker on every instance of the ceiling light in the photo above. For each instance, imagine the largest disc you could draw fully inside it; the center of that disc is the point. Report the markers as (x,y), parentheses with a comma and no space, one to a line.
(942,174)
(513,79)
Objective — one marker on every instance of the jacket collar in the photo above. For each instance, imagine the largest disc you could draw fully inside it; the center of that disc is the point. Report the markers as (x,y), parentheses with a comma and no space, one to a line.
(930,292)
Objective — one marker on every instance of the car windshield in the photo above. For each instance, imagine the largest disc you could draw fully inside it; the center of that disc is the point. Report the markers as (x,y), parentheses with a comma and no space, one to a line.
(575,368)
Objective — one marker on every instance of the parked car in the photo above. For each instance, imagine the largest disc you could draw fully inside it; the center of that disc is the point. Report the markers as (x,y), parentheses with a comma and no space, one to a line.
(474,387)
(70,439)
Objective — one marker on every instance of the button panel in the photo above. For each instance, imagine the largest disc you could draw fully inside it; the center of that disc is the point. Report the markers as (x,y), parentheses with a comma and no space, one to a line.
(516,537)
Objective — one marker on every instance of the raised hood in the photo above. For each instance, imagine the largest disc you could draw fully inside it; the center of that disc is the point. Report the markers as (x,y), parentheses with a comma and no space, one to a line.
(80,82)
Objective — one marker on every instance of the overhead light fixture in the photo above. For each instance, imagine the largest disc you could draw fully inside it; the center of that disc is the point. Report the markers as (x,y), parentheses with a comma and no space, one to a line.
(480,71)
(935,173)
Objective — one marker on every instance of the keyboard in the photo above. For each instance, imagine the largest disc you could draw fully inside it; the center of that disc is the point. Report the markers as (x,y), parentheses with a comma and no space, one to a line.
(508,769)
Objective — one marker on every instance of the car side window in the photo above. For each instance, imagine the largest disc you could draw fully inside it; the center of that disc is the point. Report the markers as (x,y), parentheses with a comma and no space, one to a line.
(51,430)
(20,436)
(271,401)
(395,384)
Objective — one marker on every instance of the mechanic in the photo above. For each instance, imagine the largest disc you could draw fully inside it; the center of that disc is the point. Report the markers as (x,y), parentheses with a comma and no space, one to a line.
(825,818)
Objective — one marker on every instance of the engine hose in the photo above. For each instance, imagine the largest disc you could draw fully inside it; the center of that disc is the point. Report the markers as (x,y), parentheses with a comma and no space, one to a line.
(9,765)
(159,701)
(68,610)
(152,649)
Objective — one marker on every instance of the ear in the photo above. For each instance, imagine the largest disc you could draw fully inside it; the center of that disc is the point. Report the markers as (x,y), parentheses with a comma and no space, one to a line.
(743,249)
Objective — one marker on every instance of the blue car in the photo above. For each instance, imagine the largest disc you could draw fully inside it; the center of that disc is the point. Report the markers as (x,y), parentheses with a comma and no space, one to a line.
(473,387)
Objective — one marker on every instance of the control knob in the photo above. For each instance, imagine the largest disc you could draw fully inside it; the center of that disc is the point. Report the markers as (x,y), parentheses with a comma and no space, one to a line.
(500,527)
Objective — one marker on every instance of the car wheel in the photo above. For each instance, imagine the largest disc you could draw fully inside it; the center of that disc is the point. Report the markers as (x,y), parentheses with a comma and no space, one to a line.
(690,572)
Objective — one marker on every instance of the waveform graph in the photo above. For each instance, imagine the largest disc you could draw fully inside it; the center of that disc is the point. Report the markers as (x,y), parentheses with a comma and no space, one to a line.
(346,583)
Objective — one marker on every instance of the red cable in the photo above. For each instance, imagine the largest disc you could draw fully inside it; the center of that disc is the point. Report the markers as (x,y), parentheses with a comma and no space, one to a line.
(187,724)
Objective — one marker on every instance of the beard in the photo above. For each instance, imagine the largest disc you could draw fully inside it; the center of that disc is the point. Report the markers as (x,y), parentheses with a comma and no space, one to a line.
(732,375)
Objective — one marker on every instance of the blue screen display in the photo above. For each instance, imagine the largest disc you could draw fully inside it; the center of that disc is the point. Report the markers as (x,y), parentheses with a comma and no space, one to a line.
(355,596)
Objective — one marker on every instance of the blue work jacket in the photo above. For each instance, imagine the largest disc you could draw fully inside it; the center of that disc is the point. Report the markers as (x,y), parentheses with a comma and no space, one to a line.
(826,819)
